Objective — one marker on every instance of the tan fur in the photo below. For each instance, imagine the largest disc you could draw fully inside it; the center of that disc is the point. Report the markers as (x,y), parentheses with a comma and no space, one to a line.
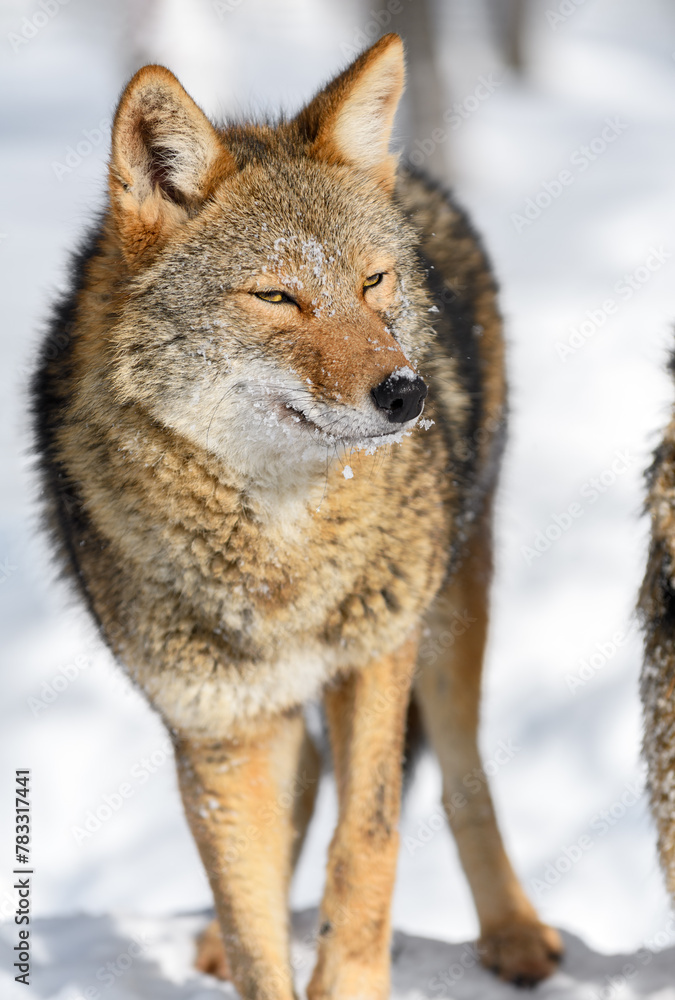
(224,341)
(155,109)
(236,796)
(211,955)
(356,112)
(366,715)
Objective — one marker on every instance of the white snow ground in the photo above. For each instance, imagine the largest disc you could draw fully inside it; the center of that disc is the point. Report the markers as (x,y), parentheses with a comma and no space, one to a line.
(128,958)
(577,751)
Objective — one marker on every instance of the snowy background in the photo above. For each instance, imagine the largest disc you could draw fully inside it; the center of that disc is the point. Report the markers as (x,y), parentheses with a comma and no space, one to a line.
(589,298)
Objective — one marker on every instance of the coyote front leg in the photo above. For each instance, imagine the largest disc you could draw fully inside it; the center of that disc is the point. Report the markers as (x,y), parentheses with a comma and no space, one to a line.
(366,715)
(211,957)
(238,796)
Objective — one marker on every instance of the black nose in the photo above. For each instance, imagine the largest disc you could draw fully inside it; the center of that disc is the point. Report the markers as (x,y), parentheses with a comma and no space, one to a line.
(401,396)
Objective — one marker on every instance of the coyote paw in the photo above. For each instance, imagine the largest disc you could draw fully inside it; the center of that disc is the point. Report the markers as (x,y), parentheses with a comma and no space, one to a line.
(521,952)
(336,977)
(211,957)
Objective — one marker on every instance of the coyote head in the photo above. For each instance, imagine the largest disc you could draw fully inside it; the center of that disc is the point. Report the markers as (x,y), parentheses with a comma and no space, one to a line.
(272,305)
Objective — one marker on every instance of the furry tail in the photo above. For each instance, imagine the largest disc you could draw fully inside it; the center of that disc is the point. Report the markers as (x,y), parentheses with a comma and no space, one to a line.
(657,612)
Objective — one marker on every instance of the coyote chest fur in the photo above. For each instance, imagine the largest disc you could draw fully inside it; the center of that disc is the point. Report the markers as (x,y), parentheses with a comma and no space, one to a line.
(269,416)
(224,603)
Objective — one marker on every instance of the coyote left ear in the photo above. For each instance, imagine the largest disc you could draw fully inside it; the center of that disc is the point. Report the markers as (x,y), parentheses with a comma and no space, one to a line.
(166,160)
(350,121)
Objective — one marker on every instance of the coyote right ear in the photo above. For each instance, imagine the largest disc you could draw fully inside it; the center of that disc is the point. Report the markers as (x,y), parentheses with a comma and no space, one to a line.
(166,159)
(350,121)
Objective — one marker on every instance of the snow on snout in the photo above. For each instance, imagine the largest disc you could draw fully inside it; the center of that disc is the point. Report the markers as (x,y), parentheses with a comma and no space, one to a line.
(405,372)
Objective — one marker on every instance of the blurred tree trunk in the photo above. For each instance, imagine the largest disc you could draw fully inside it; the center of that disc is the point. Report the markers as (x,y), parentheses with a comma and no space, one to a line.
(425,101)
(509,18)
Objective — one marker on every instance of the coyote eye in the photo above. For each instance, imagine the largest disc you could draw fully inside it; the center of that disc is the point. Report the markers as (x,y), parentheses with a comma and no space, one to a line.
(373,280)
(274,296)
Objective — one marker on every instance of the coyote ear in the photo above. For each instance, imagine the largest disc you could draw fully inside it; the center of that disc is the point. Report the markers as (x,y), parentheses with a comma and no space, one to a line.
(350,121)
(166,159)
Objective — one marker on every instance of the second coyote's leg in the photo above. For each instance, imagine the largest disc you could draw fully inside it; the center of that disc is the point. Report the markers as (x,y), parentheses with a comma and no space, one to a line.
(211,956)
(238,797)
(513,941)
(366,715)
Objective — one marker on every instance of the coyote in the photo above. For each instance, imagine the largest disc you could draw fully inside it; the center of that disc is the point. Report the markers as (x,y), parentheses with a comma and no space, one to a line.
(239,477)
(657,612)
